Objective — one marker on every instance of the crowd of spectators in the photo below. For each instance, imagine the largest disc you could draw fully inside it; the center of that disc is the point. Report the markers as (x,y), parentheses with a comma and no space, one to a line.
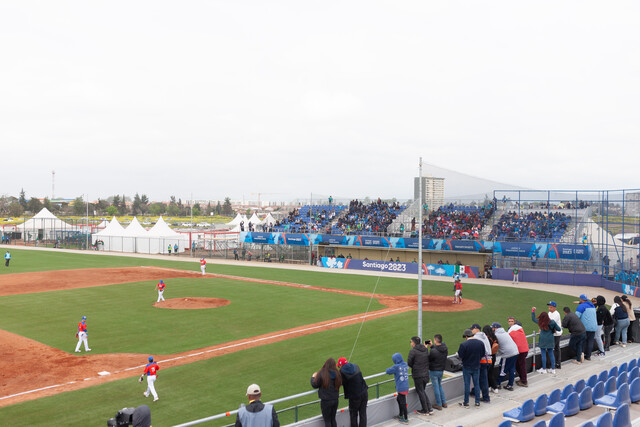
(369,218)
(308,218)
(530,226)
(455,222)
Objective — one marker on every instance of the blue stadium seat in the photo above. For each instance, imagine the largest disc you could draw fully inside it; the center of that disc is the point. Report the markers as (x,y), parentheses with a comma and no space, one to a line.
(540,407)
(521,414)
(557,420)
(505,423)
(566,391)
(634,390)
(585,399)
(570,406)
(622,379)
(622,418)
(587,424)
(605,420)
(613,372)
(598,391)
(615,399)
(633,374)
(593,379)
(541,423)
(610,385)
(580,385)
(604,375)
(632,364)
(554,396)
(623,368)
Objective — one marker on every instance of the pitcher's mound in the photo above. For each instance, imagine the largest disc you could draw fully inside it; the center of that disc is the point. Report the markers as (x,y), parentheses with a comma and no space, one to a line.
(192,303)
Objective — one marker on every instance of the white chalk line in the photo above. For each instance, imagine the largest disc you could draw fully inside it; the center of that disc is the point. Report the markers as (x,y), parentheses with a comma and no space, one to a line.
(243,343)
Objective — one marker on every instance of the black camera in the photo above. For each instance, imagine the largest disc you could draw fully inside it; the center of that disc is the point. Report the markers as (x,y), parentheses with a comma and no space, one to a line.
(124,417)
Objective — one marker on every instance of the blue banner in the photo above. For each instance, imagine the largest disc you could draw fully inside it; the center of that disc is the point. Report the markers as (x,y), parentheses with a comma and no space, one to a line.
(294,239)
(398,267)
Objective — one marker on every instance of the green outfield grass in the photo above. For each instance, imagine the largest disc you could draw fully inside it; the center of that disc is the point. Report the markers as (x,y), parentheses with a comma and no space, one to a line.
(121,319)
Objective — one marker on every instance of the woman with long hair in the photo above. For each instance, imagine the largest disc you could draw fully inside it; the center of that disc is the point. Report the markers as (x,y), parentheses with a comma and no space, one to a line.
(621,316)
(493,384)
(547,341)
(633,322)
(328,381)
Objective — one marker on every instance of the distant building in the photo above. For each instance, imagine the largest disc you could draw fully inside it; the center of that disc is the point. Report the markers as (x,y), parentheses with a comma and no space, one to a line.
(432,191)
(632,203)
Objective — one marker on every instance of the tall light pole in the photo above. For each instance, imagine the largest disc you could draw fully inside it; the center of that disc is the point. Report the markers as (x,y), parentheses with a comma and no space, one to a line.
(420,250)
(87,229)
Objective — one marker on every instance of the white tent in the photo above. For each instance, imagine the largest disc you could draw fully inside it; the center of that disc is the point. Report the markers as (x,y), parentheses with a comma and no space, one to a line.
(255,221)
(45,226)
(135,238)
(269,219)
(236,220)
(161,236)
(110,236)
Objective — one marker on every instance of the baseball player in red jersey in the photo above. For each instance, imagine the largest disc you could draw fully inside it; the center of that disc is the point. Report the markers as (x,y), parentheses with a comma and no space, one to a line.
(160,287)
(457,299)
(203,265)
(151,371)
(82,335)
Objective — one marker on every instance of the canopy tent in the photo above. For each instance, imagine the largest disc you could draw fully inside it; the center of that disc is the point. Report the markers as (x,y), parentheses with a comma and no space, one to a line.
(255,220)
(109,236)
(269,219)
(236,220)
(161,236)
(45,226)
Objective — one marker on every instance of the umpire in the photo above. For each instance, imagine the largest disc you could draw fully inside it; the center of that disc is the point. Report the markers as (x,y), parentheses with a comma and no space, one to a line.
(256,413)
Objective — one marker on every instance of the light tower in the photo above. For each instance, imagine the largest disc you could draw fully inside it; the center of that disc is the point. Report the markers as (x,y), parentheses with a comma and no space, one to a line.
(53,184)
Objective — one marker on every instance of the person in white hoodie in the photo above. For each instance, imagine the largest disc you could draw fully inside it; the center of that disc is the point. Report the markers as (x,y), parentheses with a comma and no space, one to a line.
(485,362)
(508,353)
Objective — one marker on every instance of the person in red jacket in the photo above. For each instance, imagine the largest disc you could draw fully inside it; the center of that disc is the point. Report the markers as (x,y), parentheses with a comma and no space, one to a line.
(517,334)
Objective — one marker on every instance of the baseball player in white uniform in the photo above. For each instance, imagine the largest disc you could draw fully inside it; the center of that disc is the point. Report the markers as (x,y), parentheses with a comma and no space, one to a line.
(160,287)
(203,265)
(82,335)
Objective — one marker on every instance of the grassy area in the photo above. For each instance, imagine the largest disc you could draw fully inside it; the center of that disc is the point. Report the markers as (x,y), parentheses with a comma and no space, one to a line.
(121,319)
(616,224)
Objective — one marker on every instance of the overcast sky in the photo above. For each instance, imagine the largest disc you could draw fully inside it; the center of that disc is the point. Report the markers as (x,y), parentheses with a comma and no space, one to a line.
(288,98)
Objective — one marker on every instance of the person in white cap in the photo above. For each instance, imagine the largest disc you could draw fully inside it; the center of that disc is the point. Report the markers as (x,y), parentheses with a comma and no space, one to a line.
(256,413)
(82,335)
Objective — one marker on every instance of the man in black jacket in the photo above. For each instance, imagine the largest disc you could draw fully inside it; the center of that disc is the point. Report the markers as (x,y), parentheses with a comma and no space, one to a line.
(418,361)
(437,362)
(577,331)
(355,389)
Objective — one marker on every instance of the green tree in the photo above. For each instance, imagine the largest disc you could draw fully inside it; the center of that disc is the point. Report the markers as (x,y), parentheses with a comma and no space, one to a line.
(112,210)
(157,209)
(196,209)
(173,210)
(34,205)
(79,207)
(218,208)
(15,209)
(135,207)
(102,206)
(226,208)
(46,203)
(22,199)
(123,209)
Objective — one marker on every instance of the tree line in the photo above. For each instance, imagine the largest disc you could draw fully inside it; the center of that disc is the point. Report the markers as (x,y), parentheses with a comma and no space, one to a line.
(112,206)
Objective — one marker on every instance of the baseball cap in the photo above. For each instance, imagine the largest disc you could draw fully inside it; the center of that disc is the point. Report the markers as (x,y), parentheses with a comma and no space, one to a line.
(84,317)
(150,359)
(342,361)
(496,325)
(552,304)
(253,389)
(161,281)
(467,333)
(476,326)
(584,297)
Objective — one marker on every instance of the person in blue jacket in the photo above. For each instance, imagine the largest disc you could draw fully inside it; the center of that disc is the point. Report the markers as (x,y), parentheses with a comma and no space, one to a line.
(586,311)
(401,371)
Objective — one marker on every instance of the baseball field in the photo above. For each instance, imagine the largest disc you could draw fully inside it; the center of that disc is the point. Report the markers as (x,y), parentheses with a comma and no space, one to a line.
(215,334)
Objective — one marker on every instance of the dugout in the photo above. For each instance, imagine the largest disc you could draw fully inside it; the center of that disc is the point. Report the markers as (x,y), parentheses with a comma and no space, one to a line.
(472,259)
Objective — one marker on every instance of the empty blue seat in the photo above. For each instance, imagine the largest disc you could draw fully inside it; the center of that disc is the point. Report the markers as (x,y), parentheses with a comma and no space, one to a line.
(605,420)
(623,368)
(604,375)
(569,406)
(587,424)
(634,390)
(522,414)
(615,399)
(541,423)
(540,407)
(566,391)
(622,418)
(598,391)
(633,374)
(610,385)
(580,385)
(622,379)
(557,420)
(585,400)
(632,364)
(593,379)
(613,372)
(554,396)
(505,423)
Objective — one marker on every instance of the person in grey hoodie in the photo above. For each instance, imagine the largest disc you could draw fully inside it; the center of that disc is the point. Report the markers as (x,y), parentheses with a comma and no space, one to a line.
(508,353)
(418,361)
(355,390)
